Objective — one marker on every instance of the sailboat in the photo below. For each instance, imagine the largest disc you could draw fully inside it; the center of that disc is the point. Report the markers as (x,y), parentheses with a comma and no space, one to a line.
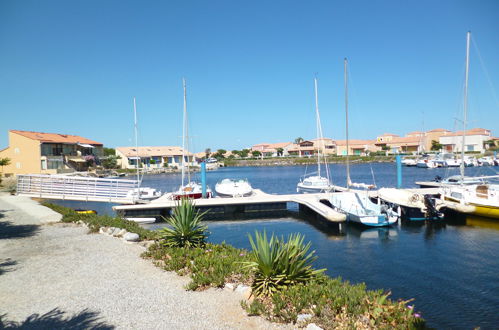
(140,193)
(477,199)
(191,189)
(356,205)
(316,183)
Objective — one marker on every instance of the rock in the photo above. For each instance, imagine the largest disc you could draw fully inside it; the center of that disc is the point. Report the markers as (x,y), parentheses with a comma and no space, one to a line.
(131,237)
(102,230)
(120,233)
(244,290)
(115,231)
(110,230)
(146,244)
(313,326)
(229,287)
(303,317)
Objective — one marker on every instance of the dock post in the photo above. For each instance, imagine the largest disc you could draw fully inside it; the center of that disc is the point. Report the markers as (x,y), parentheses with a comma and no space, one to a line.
(399,171)
(203,178)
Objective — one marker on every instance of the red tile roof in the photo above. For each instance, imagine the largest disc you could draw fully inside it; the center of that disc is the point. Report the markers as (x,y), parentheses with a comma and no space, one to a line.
(55,137)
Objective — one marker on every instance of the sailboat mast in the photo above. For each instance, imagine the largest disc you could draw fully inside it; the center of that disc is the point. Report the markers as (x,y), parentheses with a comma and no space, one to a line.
(317,124)
(346,121)
(183,132)
(465,105)
(136,138)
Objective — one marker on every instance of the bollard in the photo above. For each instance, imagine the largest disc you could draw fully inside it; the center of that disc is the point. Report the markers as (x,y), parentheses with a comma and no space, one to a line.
(203,178)
(399,171)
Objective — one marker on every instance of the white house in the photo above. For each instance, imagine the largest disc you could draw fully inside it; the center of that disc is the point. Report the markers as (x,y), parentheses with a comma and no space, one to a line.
(474,140)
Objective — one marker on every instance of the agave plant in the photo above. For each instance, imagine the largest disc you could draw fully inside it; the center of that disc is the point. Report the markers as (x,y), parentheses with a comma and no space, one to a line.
(186,227)
(279,264)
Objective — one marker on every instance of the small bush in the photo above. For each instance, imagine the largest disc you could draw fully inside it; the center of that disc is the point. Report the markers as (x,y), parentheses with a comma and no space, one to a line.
(210,266)
(95,222)
(186,228)
(279,264)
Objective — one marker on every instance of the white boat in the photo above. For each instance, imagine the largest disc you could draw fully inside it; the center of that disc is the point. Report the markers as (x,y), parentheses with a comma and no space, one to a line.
(453,162)
(233,188)
(475,199)
(410,206)
(409,162)
(358,208)
(356,205)
(144,193)
(142,220)
(426,163)
(316,183)
(486,161)
(470,161)
(191,189)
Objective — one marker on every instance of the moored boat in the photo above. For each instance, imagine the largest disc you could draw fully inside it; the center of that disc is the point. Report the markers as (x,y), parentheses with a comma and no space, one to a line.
(233,188)
(410,206)
(192,190)
(144,193)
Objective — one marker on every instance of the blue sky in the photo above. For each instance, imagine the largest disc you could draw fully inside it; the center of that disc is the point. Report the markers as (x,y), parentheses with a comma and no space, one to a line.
(74,67)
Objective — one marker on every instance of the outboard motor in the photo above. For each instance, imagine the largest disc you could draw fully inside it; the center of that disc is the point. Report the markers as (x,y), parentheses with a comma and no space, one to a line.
(438,178)
(431,210)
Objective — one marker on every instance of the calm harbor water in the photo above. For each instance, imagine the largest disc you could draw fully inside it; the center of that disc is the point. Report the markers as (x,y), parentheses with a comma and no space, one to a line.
(451,268)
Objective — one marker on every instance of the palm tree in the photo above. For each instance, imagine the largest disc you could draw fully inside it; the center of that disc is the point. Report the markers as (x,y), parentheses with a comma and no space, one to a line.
(279,151)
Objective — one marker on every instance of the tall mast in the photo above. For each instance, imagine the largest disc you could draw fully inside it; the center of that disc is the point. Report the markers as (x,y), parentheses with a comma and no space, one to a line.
(136,138)
(183,132)
(346,121)
(465,106)
(317,124)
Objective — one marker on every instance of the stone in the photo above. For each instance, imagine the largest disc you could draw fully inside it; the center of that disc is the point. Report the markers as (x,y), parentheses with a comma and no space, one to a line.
(303,317)
(313,326)
(120,233)
(102,230)
(147,244)
(131,237)
(115,231)
(110,230)
(229,287)
(244,290)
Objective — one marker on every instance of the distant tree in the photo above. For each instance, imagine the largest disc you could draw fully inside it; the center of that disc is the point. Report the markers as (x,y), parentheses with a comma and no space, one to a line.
(489,143)
(244,153)
(385,148)
(236,152)
(152,161)
(435,146)
(3,162)
(299,140)
(110,162)
(221,151)
(231,156)
(280,151)
(207,152)
(256,153)
(109,152)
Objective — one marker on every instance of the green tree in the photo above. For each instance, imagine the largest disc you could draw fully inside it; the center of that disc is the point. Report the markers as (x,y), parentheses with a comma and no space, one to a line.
(385,148)
(3,162)
(109,152)
(110,162)
(435,146)
(221,151)
(256,153)
(299,140)
(236,152)
(280,151)
(244,153)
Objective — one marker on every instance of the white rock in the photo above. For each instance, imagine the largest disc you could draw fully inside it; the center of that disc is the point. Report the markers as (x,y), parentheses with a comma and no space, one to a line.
(229,287)
(110,230)
(102,230)
(303,317)
(244,290)
(131,237)
(120,233)
(313,326)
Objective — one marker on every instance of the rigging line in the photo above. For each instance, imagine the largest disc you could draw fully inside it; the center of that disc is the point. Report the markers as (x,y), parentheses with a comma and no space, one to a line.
(482,63)
(372,173)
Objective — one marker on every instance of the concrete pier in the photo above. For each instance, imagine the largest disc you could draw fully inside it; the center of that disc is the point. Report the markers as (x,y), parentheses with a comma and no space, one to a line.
(259,202)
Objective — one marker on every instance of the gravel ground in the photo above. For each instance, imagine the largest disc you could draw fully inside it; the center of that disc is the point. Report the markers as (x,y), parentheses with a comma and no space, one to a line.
(58,276)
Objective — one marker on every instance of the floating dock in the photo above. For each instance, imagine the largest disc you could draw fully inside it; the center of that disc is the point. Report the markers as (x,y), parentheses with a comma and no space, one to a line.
(259,202)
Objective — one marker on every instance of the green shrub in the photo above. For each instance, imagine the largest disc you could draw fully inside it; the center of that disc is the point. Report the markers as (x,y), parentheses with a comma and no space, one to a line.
(210,266)
(95,222)
(279,264)
(186,228)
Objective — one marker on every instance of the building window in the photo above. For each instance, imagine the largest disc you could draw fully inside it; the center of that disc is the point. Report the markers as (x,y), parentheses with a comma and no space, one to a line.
(44,164)
(55,164)
(17,151)
(18,165)
(470,148)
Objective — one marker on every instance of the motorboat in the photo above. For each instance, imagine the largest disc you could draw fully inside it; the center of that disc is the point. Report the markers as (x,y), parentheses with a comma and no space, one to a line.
(486,161)
(426,163)
(470,161)
(475,199)
(360,209)
(410,206)
(314,184)
(141,220)
(233,188)
(409,162)
(143,193)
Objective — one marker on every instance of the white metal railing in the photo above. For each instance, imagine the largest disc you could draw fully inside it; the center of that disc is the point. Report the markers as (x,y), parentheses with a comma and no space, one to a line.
(75,188)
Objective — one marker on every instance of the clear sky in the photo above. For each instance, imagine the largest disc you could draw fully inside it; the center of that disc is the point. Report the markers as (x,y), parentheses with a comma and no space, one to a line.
(74,67)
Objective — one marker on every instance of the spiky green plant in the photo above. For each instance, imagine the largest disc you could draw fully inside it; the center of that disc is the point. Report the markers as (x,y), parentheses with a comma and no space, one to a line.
(279,264)
(186,227)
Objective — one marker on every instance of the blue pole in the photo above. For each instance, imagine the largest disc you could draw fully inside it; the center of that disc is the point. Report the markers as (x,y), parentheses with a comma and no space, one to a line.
(203,178)
(399,171)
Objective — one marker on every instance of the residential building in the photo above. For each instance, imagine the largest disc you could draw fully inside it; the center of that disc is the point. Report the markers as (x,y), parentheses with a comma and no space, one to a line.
(433,135)
(356,147)
(50,153)
(474,140)
(326,145)
(153,157)
(273,149)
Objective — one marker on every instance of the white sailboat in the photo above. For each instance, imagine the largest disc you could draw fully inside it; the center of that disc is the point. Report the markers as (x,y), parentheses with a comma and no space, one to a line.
(356,205)
(316,183)
(191,189)
(140,193)
(233,188)
(477,199)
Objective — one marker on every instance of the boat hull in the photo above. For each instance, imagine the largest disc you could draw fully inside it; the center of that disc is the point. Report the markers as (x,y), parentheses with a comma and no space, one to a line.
(474,208)
(190,196)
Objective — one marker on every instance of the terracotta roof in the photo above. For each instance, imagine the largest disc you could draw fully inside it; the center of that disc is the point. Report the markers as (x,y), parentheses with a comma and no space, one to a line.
(414,133)
(473,131)
(388,134)
(438,130)
(152,151)
(408,140)
(55,137)
(279,145)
